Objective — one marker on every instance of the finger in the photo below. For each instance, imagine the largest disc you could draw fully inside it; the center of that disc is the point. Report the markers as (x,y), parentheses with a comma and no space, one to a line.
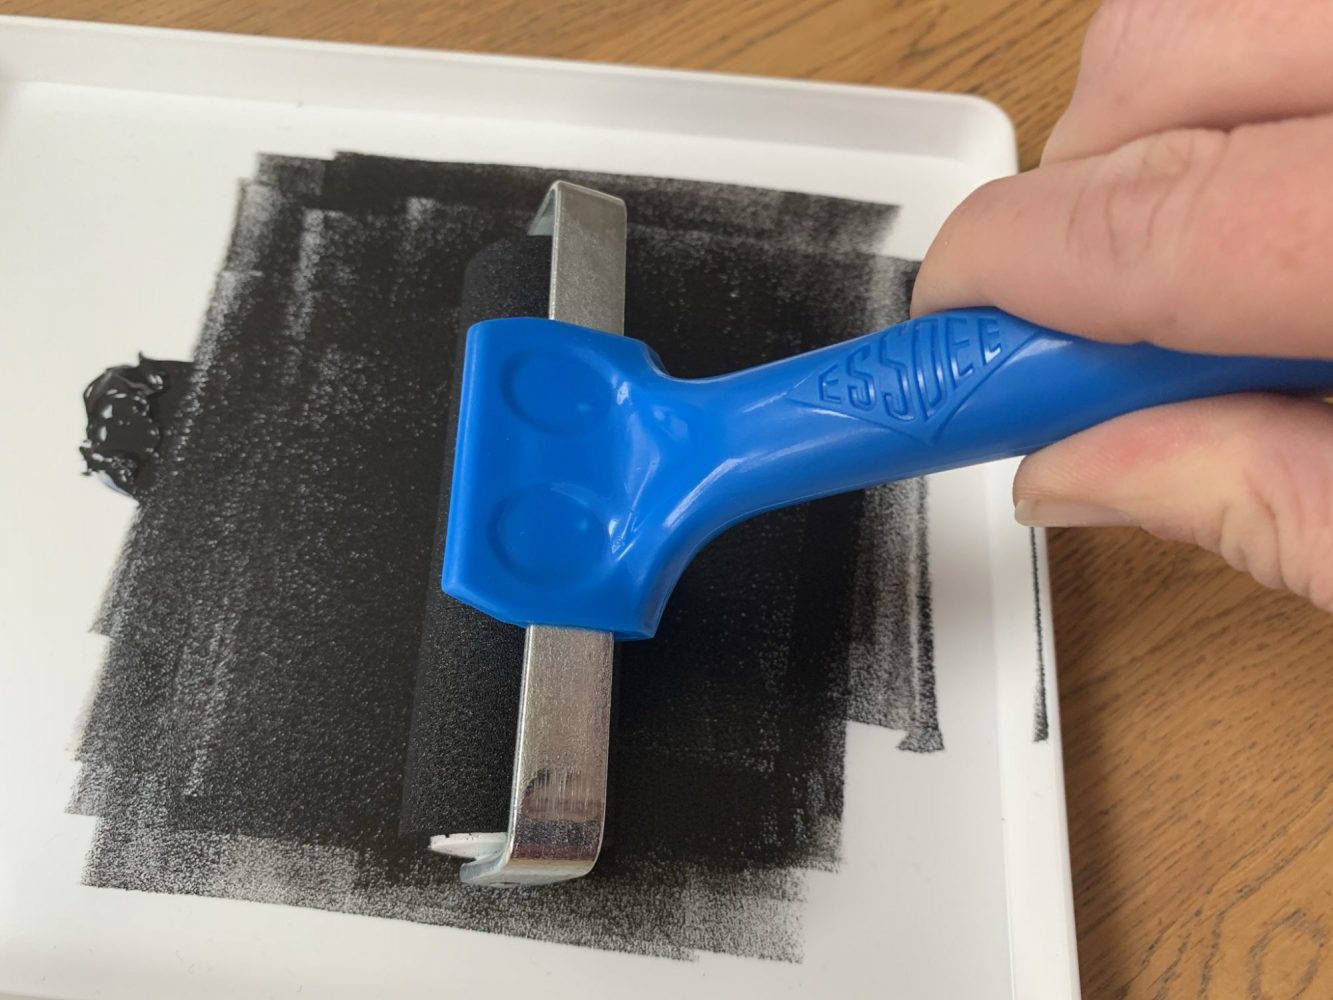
(1150,66)
(1197,240)
(1249,477)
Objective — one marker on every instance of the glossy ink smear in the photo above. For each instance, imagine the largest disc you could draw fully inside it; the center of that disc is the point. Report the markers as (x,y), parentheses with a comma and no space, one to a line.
(290,707)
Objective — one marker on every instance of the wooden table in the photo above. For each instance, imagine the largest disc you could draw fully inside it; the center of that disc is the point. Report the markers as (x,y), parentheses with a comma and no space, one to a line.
(1197,707)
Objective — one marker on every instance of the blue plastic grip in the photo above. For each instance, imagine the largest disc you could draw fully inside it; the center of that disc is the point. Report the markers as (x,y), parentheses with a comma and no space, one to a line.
(586,478)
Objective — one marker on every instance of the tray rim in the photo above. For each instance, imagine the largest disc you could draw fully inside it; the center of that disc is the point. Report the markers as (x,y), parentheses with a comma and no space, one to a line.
(813,112)
(993,154)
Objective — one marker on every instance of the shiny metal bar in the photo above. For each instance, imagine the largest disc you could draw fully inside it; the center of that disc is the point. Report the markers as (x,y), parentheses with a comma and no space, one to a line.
(588,231)
(557,803)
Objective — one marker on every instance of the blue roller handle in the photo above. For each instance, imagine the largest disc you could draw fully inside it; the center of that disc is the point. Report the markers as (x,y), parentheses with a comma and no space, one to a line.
(586,478)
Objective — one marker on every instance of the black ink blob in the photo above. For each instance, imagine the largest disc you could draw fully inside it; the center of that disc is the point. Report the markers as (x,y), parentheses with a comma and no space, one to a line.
(131,409)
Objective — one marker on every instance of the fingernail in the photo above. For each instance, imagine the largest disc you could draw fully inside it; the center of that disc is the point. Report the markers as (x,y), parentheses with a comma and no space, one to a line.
(1067,514)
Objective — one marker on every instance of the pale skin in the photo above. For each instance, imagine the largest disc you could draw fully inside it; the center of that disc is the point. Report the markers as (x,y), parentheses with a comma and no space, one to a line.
(1184,198)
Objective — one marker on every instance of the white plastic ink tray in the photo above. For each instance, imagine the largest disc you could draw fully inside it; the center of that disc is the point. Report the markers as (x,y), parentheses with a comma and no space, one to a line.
(120,151)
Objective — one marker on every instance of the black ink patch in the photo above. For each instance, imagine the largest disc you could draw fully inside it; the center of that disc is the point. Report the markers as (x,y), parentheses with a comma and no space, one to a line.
(1041,723)
(290,707)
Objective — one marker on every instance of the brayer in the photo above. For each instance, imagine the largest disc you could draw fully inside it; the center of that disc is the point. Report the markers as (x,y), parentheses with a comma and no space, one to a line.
(586,478)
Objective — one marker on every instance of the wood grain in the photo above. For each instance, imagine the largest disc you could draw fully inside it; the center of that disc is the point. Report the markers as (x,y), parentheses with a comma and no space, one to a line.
(1197,707)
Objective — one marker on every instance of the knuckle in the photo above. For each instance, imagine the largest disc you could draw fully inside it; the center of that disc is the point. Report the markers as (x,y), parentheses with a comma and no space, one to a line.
(1277,525)
(1132,214)
(1299,499)
(1111,24)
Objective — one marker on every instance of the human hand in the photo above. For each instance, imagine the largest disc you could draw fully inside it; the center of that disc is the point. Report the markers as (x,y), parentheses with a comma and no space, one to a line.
(1185,198)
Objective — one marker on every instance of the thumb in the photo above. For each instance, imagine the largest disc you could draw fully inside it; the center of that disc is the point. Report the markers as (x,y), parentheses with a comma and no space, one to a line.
(1249,477)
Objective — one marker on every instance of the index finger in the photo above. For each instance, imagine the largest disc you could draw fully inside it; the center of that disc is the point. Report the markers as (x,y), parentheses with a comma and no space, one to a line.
(1150,66)
(1197,240)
